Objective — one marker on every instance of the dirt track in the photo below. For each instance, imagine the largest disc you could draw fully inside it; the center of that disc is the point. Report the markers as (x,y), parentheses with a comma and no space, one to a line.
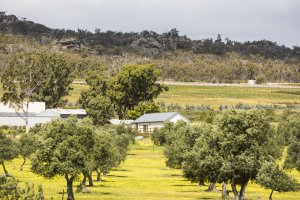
(268,85)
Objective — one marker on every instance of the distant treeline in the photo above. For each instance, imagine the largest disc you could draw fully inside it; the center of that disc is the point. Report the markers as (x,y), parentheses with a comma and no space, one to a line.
(147,42)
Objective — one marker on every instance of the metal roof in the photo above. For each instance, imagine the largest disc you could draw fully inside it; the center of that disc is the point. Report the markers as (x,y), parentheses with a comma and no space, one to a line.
(69,111)
(155,117)
(57,112)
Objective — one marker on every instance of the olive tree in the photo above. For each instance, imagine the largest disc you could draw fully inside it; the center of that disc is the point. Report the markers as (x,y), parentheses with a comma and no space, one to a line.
(232,150)
(64,149)
(8,150)
(270,176)
(27,145)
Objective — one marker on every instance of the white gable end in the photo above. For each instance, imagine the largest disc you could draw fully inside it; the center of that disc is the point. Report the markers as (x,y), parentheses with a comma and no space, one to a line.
(178,117)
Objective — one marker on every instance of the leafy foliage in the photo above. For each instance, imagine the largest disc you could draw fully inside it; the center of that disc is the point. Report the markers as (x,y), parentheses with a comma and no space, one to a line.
(134,84)
(27,145)
(57,80)
(64,149)
(271,177)
(98,106)
(9,189)
(142,108)
(8,150)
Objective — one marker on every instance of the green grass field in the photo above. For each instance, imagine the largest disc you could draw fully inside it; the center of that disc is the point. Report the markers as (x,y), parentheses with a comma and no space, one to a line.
(143,175)
(215,96)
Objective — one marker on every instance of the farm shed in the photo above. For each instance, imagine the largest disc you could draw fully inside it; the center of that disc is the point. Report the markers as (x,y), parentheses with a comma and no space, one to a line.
(37,115)
(148,122)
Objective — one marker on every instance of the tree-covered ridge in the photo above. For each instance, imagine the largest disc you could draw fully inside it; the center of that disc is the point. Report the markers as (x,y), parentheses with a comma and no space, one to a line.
(146,42)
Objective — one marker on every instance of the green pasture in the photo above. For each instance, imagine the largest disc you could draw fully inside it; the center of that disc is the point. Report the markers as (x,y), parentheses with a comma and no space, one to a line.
(217,95)
(213,95)
(143,175)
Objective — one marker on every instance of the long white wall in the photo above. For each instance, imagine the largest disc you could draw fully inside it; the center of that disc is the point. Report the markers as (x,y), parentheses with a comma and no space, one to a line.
(34,107)
(18,121)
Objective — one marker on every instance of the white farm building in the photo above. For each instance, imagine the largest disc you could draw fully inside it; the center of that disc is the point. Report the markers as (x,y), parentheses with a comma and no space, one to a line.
(37,114)
(148,122)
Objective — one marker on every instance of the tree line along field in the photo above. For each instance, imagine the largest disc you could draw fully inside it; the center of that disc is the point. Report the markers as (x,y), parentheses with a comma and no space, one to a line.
(216,95)
(143,175)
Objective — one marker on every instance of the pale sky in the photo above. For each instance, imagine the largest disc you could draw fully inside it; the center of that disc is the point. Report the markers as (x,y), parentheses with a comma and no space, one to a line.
(240,20)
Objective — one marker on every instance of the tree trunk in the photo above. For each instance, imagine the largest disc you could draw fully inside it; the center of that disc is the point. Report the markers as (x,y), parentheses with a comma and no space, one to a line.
(83,182)
(270,197)
(24,161)
(235,192)
(225,192)
(26,117)
(5,171)
(98,175)
(211,187)
(242,191)
(70,188)
(201,183)
(90,179)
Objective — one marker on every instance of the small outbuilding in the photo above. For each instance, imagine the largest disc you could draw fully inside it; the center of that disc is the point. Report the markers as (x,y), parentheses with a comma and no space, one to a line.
(148,122)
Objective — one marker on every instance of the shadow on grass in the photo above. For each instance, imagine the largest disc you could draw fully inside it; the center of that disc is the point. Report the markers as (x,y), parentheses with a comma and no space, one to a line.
(120,170)
(132,154)
(105,193)
(118,176)
(101,185)
(177,175)
(180,185)
(105,181)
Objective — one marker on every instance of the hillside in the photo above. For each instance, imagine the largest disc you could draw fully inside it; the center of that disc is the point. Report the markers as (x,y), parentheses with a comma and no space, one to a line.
(179,57)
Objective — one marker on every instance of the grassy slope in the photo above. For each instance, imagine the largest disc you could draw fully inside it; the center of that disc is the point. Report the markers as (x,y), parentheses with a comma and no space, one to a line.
(142,176)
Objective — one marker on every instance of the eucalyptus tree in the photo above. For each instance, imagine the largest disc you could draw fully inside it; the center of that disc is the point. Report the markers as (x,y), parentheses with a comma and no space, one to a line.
(98,106)
(132,85)
(31,76)
(20,79)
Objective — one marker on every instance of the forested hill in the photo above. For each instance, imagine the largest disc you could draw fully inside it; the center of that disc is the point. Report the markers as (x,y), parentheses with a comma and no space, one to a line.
(148,41)
(179,57)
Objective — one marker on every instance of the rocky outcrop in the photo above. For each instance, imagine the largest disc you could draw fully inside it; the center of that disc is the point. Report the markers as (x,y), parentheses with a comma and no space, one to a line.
(69,43)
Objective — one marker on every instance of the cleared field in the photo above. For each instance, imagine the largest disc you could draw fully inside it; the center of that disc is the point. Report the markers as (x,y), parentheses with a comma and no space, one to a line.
(215,96)
(144,175)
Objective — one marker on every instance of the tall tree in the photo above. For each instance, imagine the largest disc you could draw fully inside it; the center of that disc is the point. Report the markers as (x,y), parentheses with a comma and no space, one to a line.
(36,77)
(98,106)
(64,150)
(57,82)
(133,84)
(21,77)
